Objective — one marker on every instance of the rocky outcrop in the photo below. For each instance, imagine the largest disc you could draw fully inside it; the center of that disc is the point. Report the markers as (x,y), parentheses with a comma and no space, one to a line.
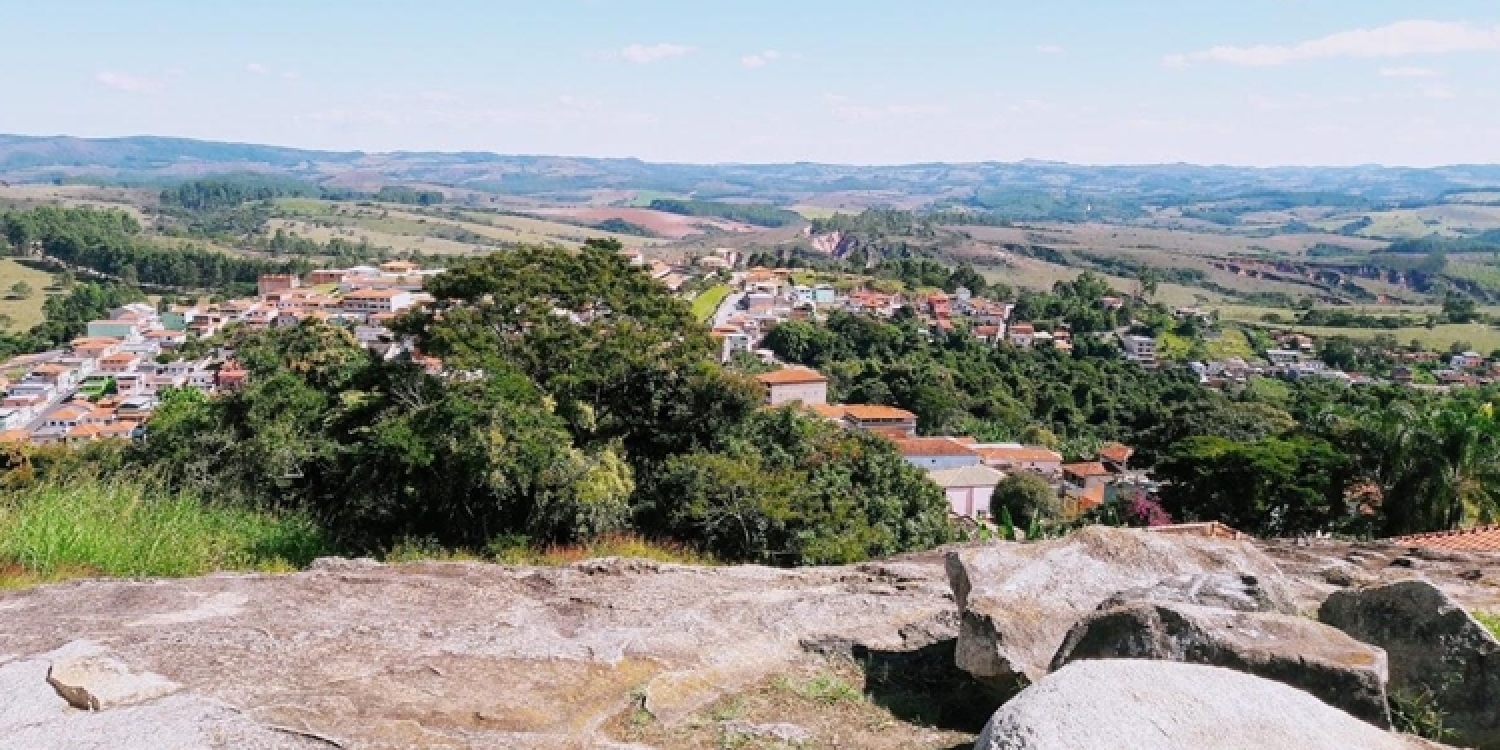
(1162,705)
(1018,601)
(1293,650)
(452,655)
(1435,649)
(1241,592)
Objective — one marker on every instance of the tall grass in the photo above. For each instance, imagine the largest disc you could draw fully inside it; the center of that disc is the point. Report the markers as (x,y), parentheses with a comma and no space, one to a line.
(517,550)
(128,527)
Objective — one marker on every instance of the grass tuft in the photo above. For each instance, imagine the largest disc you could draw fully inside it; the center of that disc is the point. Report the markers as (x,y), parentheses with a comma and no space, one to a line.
(1490,621)
(124,527)
(516,551)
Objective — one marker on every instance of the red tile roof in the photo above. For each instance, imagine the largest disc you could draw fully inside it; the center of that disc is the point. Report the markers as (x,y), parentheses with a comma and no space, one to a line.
(1478,539)
(933,446)
(864,412)
(1022,454)
(1115,452)
(791,376)
(1086,469)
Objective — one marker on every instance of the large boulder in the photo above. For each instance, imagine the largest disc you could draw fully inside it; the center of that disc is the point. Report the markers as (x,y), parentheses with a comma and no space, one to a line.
(1241,592)
(1018,601)
(1437,651)
(1162,705)
(1294,650)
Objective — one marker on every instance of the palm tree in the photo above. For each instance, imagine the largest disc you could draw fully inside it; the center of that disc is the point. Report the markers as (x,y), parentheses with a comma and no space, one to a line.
(1437,465)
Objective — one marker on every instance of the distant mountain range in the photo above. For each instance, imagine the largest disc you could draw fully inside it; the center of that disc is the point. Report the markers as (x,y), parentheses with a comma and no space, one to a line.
(152,160)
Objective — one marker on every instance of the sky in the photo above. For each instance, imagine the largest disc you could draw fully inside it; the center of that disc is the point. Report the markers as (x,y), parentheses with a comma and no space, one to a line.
(1248,82)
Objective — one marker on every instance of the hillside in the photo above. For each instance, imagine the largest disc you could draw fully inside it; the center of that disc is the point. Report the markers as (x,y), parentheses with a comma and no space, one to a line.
(1094,189)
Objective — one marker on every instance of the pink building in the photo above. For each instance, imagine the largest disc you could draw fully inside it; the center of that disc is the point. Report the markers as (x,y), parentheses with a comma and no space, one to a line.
(968,488)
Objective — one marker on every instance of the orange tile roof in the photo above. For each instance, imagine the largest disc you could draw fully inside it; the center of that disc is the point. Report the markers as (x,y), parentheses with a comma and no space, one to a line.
(876,411)
(15,436)
(1117,452)
(1022,328)
(827,411)
(1478,539)
(1022,454)
(120,357)
(791,376)
(933,446)
(373,294)
(1086,469)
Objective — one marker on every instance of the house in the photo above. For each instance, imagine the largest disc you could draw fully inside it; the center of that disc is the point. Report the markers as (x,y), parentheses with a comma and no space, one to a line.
(115,329)
(1087,474)
(95,348)
(968,488)
(794,384)
(886,420)
(121,362)
(1466,361)
(326,276)
(231,375)
(1115,455)
(1021,335)
(272,283)
(1403,375)
(1017,457)
(398,267)
(731,340)
(1283,357)
(167,338)
(933,453)
(1139,349)
(374,301)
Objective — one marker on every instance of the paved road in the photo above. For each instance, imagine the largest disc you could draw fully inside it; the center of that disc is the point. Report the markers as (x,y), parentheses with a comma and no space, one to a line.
(728,307)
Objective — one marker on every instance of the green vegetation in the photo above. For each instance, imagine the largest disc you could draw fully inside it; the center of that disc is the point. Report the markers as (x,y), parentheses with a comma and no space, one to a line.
(707,302)
(758,214)
(566,431)
(27,312)
(1490,621)
(229,191)
(66,317)
(124,526)
(110,243)
(406,195)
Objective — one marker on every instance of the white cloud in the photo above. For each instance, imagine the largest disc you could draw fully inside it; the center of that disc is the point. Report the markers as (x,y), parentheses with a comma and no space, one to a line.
(642,54)
(257,68)
(760,59)
(128,82)
(1050,49)
(1409,72)
(291,75)
(1400,39)
(1439,92)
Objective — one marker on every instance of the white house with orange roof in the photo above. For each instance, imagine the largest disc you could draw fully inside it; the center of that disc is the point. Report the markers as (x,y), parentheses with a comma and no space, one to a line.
(364,302)
(794,384)
(118,363)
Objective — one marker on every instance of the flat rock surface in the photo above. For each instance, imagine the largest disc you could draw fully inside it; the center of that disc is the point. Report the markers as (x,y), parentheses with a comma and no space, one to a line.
(1161,705)
(451,655)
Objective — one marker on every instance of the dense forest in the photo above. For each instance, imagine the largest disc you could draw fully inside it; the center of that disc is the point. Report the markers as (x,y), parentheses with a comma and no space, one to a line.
(759,214)
(110,243)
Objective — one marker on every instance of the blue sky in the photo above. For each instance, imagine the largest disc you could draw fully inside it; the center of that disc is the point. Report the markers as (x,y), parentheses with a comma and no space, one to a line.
(878,81)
